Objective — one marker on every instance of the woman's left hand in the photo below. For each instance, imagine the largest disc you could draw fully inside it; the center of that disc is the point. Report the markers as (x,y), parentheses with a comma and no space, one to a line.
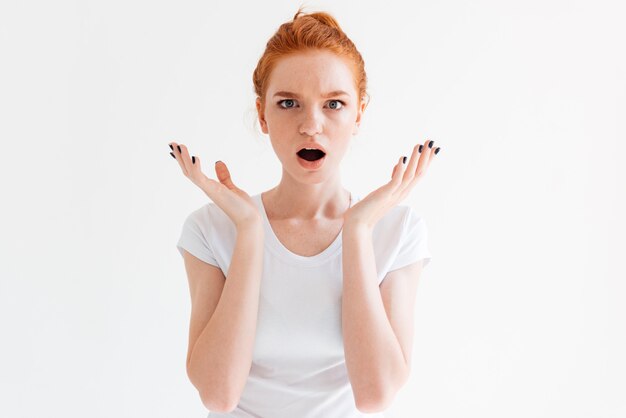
(369,210)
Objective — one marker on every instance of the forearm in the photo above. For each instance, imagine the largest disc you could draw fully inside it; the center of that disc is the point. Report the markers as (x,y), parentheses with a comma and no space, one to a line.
(374,358)
(222,355)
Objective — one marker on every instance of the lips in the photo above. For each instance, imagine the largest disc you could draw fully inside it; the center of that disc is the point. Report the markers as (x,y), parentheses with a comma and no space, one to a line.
(312,145)
(314,164)
(311,155)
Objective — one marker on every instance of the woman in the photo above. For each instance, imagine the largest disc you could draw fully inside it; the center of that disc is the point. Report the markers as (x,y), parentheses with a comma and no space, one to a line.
(302,296)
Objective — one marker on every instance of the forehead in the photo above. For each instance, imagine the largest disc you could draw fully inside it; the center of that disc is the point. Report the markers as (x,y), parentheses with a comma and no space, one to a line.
(312,72)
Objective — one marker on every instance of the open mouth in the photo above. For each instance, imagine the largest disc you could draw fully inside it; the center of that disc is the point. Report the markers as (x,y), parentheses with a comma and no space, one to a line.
(311,154)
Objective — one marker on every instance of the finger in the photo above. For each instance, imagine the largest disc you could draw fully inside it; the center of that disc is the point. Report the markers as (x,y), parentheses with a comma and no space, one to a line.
(436,151)
(413,163)
(416,166)
(398,170)
(178,157)
(186,158)
(431,154)
(425,155)
(407,177)
(223,175)
(195,161)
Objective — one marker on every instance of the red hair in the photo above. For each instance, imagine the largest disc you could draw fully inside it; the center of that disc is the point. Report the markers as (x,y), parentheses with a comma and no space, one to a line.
(304,33)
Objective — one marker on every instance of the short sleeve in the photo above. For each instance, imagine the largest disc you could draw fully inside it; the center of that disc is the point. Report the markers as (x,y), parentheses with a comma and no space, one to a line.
(194,238)
(414,242)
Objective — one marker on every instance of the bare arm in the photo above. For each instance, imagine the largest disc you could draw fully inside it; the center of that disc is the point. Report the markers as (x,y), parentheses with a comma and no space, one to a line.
(220,359)
(374,358)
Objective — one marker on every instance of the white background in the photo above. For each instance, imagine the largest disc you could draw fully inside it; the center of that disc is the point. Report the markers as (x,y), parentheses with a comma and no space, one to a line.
(520,313)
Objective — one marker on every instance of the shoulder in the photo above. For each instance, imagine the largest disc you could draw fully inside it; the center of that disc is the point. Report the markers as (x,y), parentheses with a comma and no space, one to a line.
(412,218)
(210,223)
(396,219)
(402,226)
(207,215)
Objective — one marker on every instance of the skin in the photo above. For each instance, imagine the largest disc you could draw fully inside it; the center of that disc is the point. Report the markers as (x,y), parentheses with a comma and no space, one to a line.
(302,194)
(379,315)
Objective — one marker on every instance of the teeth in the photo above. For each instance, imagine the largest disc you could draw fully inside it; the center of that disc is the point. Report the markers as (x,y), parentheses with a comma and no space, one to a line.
(311,149)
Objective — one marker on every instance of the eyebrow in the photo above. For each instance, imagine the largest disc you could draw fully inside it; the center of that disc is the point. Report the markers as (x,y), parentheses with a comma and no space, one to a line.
(327,95)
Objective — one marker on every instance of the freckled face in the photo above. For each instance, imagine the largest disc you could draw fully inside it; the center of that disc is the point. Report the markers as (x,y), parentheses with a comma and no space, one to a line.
(296,109)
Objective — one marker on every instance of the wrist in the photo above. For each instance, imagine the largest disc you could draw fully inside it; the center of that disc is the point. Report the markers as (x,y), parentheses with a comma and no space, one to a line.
(356,227)
(252,226)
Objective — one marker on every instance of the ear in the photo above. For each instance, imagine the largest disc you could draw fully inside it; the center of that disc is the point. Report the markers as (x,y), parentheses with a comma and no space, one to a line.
(359,115)
(260,112)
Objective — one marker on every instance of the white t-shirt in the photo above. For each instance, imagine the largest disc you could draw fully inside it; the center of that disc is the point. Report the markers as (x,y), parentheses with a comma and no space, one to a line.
(298,364)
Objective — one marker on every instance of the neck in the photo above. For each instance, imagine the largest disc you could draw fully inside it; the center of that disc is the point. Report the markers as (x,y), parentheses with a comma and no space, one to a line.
(306,202)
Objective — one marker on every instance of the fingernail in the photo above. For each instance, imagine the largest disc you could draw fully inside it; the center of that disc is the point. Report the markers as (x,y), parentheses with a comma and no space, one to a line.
(178,146)
(420,150)
(403,160)
(172,154)
(218,161)
(437,150)
(193,158)
(430,144)
(171,147)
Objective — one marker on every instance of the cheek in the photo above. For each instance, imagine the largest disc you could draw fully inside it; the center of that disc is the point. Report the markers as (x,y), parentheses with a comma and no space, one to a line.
(349,115)
(346,120)
(276,122)
(280,121)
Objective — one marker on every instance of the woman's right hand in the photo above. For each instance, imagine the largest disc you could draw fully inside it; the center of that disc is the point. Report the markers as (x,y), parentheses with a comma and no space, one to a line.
(236,203)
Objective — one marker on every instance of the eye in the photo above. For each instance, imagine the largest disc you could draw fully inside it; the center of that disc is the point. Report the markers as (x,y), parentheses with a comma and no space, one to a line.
(334,107)
(285,101)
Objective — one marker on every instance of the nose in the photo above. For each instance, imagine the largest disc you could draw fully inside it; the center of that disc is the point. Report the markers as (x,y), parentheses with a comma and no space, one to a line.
(311,123)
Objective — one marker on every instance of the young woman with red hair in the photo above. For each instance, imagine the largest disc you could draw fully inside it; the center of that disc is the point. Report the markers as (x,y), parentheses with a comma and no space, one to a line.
(303,295)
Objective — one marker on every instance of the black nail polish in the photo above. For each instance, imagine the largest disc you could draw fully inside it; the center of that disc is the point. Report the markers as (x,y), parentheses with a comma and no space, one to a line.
(178,146)
(193,159)
(172,154)
(420,150)
(430,144)
(437,150)
(171,147)
(403,160)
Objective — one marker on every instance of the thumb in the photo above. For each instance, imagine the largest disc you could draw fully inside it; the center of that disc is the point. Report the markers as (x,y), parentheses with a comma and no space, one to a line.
(223,175)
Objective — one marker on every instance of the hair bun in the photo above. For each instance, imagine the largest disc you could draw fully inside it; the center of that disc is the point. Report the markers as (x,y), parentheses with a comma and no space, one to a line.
(321,17)
(305,32)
